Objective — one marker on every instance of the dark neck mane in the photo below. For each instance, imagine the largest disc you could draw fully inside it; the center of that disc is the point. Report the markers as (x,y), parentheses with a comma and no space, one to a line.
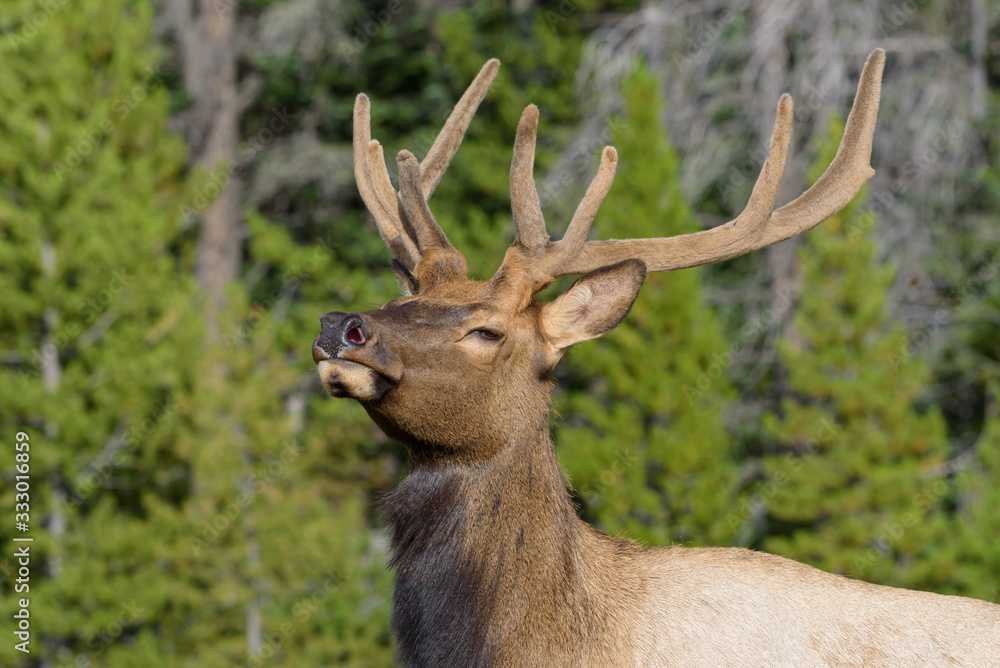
(483,553)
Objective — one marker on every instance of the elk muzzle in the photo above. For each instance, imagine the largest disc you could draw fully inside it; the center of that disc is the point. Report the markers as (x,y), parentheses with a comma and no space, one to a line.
(350,362)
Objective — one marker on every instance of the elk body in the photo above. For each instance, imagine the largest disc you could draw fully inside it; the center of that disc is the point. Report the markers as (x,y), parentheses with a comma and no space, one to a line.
(492,565)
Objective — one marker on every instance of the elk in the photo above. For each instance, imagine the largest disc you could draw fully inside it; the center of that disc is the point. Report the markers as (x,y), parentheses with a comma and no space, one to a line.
(493,567)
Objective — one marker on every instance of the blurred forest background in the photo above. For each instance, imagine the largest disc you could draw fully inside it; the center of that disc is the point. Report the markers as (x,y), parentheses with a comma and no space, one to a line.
(177,208)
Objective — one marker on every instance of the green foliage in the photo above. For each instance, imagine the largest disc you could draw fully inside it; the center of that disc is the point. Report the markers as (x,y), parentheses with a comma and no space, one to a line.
(854,485)
(644,440)
(100,294)
(175,493)
(976,554)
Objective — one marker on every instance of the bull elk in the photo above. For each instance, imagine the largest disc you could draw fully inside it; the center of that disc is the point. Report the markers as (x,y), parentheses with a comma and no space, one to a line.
(493,567)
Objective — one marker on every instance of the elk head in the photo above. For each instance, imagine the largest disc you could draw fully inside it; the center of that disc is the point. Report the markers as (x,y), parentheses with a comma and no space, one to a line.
(455,368)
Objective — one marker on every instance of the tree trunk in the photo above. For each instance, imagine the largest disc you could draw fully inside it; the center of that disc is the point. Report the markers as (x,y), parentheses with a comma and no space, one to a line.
(979,29)
(208,53)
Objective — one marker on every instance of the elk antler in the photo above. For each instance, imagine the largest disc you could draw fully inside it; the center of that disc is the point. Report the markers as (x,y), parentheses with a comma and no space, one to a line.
(759,225)
(404,221)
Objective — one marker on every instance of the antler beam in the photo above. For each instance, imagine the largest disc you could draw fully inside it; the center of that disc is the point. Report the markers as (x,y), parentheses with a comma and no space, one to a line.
(758,225)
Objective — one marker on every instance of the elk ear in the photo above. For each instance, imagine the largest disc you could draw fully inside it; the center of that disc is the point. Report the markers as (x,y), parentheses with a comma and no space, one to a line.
(594,305)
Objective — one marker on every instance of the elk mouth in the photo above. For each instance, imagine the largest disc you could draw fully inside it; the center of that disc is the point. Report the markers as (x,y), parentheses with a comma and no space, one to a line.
(344,378)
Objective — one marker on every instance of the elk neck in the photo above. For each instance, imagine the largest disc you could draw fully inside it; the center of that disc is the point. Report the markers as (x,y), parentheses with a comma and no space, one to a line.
(492,555)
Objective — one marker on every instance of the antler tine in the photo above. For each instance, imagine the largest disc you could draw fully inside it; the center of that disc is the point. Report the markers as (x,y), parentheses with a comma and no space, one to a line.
(850,169)
(376,189)
(546,259)
(448,140)
(758,226)
(403,244)
(576,234)
(758,210)
(428,233)
(525,206)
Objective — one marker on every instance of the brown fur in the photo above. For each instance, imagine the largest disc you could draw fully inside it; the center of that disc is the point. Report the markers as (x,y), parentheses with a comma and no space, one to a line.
(493,566)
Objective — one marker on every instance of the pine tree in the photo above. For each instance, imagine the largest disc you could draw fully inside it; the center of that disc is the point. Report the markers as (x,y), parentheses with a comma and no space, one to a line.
(854,484)
(164,535)
(643,437)
(977,555)
(95,318)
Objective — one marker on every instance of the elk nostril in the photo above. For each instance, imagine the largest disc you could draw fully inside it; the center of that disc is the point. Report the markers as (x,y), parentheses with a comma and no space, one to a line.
(355,335)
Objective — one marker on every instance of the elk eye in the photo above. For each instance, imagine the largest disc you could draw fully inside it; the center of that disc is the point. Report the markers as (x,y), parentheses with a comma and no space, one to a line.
(487,334)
